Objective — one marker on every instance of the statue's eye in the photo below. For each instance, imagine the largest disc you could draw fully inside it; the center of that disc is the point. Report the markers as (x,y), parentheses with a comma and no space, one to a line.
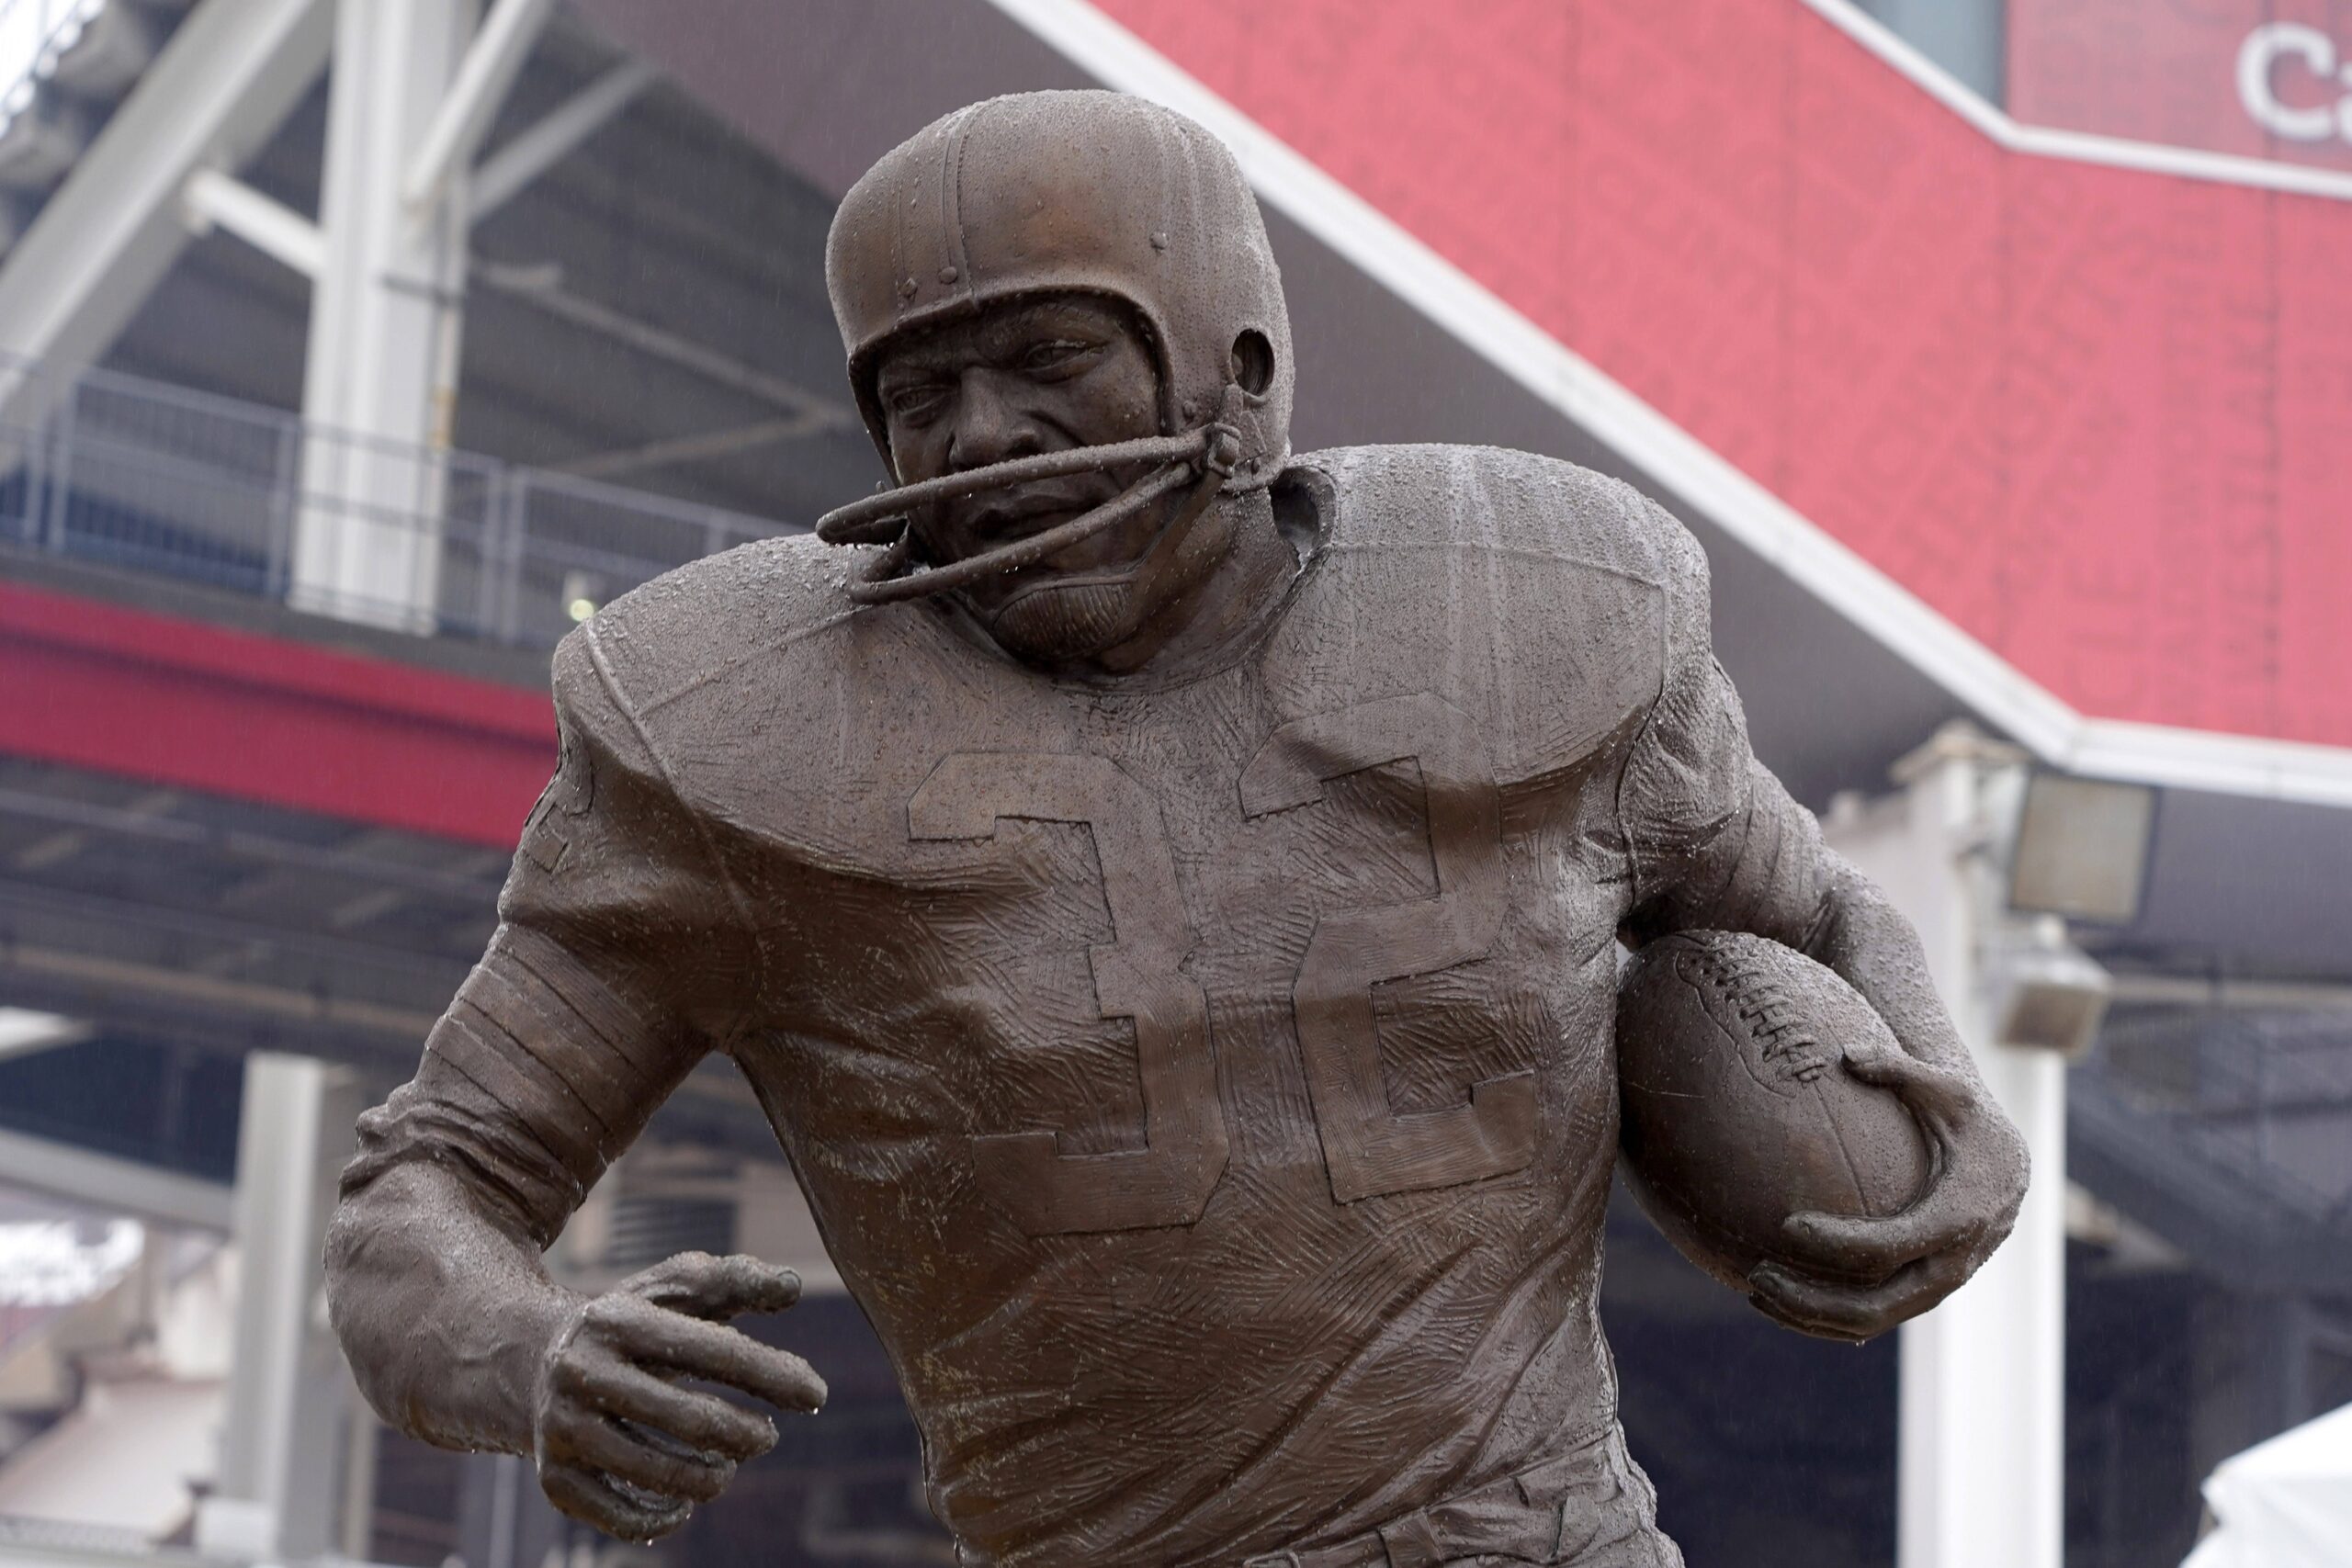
(1060,353)
(915,403)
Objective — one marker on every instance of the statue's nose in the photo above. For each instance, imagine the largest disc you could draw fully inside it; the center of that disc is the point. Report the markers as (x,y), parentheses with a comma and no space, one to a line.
(988,425)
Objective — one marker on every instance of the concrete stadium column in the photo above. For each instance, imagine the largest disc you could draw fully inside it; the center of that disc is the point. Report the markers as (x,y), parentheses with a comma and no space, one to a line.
(292,1404)
(380,387)
(1983,1459)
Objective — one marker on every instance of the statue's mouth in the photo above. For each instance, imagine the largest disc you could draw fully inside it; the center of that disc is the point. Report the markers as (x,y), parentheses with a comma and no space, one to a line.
(1003,517)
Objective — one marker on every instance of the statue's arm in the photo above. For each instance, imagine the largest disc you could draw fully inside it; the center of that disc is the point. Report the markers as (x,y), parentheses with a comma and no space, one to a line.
(1717,843)
(433,1273)
(454,1329)
(445,1317)
(1760,866)
(619,963)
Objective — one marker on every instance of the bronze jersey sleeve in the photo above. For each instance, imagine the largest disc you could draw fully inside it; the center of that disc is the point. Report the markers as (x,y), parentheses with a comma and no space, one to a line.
(618,962)
(1715,841)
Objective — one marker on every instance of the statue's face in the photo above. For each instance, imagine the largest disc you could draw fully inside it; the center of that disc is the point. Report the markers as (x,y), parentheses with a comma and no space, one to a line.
(1026,376)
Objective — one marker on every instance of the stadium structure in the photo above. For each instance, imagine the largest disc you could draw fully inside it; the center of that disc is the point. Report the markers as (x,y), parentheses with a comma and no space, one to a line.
(353,350)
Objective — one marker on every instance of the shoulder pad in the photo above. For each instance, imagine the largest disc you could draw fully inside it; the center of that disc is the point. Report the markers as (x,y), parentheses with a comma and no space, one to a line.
(1535,594)
(760,687)
(689,627)
(1495,499)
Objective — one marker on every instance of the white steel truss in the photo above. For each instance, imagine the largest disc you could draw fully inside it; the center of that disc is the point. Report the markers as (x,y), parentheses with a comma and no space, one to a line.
(227,79)
(465,114)
(506,172)
(386,315)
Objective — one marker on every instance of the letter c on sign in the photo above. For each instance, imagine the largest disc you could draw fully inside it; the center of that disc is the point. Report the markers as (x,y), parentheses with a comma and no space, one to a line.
(2260,53)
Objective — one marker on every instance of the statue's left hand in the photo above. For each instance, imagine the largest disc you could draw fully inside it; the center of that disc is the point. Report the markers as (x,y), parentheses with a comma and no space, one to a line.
(1911,1260)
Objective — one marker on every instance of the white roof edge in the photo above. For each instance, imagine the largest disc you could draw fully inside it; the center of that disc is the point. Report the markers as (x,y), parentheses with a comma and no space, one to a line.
(1747,510)
(2076,146)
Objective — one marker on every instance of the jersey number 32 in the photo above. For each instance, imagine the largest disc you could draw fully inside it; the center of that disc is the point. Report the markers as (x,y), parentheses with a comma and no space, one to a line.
(1368,1147)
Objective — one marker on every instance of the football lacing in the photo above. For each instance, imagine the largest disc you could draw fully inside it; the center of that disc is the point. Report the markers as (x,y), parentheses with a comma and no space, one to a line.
(1773,1017)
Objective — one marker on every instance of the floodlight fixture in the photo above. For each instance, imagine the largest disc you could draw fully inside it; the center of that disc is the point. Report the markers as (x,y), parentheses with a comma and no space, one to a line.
(2045,994)
(2082,848)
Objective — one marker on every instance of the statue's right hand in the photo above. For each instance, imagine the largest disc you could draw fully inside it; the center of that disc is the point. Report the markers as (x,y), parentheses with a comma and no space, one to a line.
(620,1442)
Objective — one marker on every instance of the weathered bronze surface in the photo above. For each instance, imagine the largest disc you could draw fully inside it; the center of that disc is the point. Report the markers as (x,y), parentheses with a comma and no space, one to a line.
(1178,953)
(1734,1108)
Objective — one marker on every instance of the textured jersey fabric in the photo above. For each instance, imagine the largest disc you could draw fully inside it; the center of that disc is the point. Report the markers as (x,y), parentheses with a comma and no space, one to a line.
(1207,1084)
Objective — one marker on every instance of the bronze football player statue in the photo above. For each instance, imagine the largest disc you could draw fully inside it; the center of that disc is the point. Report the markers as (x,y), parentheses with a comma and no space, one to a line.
(1167,894)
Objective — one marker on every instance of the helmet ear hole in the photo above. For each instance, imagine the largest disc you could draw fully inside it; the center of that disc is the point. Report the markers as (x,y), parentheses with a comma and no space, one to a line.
(1254,362)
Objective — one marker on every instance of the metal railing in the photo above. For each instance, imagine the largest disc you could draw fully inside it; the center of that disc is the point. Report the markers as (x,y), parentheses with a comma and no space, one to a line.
(145,477)
(2262,1097)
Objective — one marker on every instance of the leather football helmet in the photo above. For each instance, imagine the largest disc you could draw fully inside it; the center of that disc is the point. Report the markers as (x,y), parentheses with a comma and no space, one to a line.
(1067,192)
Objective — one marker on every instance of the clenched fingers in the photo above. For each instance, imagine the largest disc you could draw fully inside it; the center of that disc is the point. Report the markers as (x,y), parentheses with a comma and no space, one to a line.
(595,1501)
(619,1453)
(1941,1099)
(1852,1313)
(1947,1220)
(700,1285)
(652,1335)
(610,1386)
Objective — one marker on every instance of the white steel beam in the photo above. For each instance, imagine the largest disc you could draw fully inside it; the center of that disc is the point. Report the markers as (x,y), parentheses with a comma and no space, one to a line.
(380,387)
(542,289)
(464,117)
(1981,1454)
(103,1181)
(503,175)
(288,1394)
(2189,991)
(270,226)
(699,448)
(230,74)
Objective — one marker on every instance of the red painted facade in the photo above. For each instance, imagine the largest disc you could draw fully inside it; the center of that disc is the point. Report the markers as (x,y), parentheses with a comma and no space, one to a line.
(2101,419)
(199,707)
(2169,71)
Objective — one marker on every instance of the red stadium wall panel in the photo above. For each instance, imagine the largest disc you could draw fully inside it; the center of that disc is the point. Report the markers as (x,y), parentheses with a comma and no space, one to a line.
(2261,78)
(199,707)
(2099,417)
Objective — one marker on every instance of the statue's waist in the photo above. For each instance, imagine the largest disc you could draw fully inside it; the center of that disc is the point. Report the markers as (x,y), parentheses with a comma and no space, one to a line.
(1588,1505)
(1185,1436)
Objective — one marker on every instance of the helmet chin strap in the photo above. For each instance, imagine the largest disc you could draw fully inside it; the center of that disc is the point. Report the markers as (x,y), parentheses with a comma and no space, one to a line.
(1206,455)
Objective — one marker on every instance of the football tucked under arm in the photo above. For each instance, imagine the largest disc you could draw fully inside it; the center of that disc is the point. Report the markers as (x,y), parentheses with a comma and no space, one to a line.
(1717,844)
(1735,1111)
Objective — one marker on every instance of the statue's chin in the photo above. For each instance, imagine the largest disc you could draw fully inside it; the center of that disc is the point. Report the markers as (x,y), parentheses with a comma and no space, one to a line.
(1055,622)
